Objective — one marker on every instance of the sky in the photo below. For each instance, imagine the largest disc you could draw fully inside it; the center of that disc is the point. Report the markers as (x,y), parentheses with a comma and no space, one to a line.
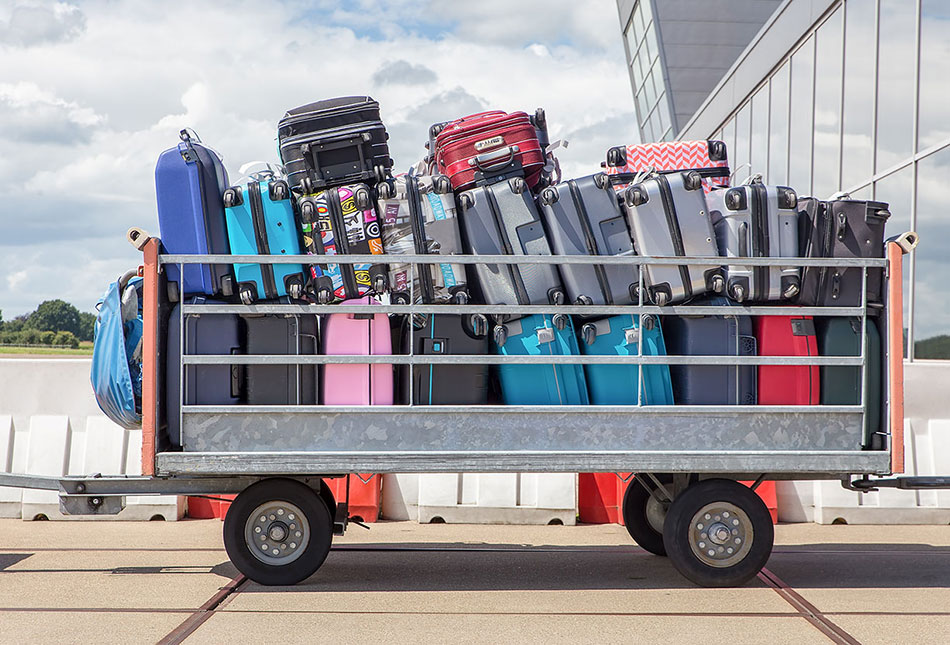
(91,93)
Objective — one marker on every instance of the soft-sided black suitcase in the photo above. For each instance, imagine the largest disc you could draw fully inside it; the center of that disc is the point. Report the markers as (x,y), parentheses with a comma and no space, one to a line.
(441,335)
(583,217)
(333,142)
(281,384)
(726,335)
(204,384)
(842,228)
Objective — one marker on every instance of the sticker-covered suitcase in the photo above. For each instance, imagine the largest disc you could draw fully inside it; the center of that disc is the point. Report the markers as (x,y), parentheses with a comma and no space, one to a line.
(583,217)
(669,217)
(553,384)
(189,182)
(708,158)
(260,219)
(358,334)
(279,335)
(842,228)
(787,336)
(757,221)
(502,219)
(349,209)
(725,335)
(419,217)
(617,384)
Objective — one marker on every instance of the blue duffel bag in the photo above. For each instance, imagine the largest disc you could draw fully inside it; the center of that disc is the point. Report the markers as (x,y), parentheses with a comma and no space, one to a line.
(117,353)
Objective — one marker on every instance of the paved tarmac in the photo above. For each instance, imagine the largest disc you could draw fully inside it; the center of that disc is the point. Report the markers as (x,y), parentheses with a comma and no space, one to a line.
(131,582)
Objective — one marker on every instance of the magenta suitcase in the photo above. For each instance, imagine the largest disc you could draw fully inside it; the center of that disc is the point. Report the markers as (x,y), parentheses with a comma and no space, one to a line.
(362,335)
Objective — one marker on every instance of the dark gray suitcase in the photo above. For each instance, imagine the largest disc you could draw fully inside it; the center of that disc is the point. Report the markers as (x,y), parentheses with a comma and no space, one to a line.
(668,217)
(842,228)
(281,384)
(757,221)
(726,335)
(502,219)
(204,384)
(583,217)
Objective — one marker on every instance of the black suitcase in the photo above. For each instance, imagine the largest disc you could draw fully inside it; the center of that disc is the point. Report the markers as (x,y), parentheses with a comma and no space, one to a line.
(204,384)
(842,228)
(726,335)
(332,142)
(444,334)
(281,384)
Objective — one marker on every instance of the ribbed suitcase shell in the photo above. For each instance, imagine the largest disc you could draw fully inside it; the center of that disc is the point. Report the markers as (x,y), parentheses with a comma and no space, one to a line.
(361,335)
(726,335)
(841,228)
(502,219)
(560,384)
(787,384)
(260,220)
(583,217)
(757,221)
(617,384)
(189,182)
(672,220)
(281,384)
(709,158)
(420,218)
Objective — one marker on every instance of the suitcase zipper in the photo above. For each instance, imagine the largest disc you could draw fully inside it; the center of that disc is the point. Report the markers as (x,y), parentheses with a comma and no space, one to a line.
(347,271)
(760,238)
(260,236)
(419,238)
(666,195)
(707,172)
(513,270)
(584,218)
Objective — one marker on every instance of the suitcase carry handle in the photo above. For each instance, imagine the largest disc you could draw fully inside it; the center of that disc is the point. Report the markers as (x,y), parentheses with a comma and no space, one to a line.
(313,149)
(489,160)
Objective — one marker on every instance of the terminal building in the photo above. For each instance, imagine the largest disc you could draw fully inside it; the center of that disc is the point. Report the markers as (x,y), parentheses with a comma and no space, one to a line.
(825,96)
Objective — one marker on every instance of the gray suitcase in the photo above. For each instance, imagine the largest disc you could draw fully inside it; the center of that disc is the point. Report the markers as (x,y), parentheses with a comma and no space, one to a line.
(583,217)
(668,217)
(502,219)
(757,221)
(281,384)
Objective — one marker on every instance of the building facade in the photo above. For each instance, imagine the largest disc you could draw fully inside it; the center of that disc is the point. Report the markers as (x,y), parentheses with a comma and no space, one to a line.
(829,96)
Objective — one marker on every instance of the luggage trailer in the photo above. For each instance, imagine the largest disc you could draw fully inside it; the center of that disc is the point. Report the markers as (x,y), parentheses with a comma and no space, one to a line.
(686,502)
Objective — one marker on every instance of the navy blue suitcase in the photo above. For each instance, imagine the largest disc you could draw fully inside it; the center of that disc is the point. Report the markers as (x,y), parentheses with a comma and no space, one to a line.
(726,335)
(204,384)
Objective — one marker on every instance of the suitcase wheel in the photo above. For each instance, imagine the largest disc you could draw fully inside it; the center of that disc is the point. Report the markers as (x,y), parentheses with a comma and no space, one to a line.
(324,296)
(787,198)
(693,180)
(500,335)
(735,199)
(559,320)
(718,283)
(247,296)
(465,201)
(737,293)
(479,325)
(362,199)
(600,180)
(295,290)
(379,284)
(584,300)
(442,184)
(549,196)
(648,322)
(278,191)
(386,190)
(660,298)
(518,185)
(540,119)
(790,291)
(232,197)
(557,297)
(589,333)
(717,150)
(307,185)
(635,196)
(461,297)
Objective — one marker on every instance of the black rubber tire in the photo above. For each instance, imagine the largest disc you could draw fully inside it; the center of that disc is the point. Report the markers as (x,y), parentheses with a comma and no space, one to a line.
(301,496)
(677,526)
(635,514)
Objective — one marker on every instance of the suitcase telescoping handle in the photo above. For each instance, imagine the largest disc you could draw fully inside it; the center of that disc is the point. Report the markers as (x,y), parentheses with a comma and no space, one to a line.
(489,160)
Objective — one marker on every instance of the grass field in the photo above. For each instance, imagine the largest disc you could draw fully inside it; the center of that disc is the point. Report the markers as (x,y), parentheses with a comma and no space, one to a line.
(85,349)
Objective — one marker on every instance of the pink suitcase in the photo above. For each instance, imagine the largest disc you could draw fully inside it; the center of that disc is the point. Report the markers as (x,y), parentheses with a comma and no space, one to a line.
(362,335)
(708,158)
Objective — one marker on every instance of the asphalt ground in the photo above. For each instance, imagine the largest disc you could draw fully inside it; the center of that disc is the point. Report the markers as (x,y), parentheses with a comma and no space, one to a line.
(401,582)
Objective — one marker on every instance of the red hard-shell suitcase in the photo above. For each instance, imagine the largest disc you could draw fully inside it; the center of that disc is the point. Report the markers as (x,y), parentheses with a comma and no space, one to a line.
(708,158)
(787,384)
(489,143)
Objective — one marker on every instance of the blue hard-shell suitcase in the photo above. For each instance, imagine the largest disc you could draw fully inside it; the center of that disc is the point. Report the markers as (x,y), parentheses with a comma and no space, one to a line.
(617,384)
(260,219)
(189,182)
(726,335)
(540,335)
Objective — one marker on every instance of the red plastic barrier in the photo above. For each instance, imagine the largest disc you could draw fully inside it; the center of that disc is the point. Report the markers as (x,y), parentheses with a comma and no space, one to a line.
(201,508)
(365,499)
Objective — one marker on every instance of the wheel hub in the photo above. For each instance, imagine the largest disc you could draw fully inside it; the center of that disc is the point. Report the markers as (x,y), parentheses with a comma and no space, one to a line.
(277,533)
(720,534)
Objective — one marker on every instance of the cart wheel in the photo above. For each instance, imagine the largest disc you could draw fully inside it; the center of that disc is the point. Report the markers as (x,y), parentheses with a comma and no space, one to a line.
(644,513)
(278,532)
(718,533)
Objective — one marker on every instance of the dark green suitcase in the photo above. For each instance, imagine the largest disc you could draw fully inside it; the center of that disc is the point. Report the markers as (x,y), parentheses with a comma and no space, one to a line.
(841,385)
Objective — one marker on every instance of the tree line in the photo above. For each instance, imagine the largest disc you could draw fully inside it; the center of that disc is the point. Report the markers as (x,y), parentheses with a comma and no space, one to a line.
(54,323)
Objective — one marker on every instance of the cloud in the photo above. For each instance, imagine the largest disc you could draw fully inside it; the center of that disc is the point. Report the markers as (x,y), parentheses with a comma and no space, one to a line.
(402,72)
(29,113)
(30,25)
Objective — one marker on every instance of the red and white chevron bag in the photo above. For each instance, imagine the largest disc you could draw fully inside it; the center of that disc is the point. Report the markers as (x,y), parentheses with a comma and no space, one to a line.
(709,158)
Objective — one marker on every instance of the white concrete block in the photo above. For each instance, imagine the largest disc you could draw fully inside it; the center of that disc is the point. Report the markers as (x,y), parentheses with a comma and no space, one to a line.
(47,454)
(106,447)
(400,500)
(145,507)
(11,499)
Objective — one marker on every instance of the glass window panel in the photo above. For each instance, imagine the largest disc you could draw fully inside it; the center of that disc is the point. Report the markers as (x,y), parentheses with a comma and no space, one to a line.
(729,138)
(857,121)
(664,109)
(778,127)
(896,189)
(637,72)
(760,131)
(638,20)
(658,126)
(644,65)
(658,83)
(932,257)
(651,41)
(650,89)
(741,155)
(647,11)
(642,108)
(934,72)
(800,119)
(632,37)
(827,106)
(647,131)
(895,93)
(864,193)
(668,135)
